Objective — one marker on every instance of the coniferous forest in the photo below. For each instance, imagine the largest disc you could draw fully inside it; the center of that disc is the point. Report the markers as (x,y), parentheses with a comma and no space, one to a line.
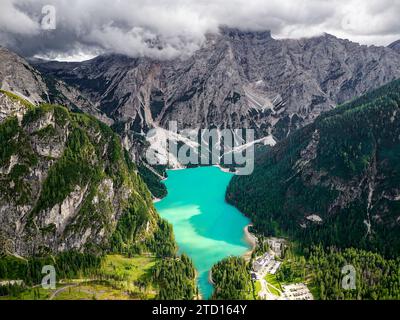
(231,278)
(375,277)
(344,170)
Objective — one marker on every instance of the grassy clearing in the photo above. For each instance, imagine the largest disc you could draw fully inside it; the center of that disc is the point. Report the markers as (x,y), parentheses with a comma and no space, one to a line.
(119,278)
(92,291)
(271,278)
(122,279)
(127,269)
(257,288)
(17,98)
(273,282)
(273,290)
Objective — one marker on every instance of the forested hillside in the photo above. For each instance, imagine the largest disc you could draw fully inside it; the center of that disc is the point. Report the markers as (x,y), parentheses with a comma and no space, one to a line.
(335,182)
(66,183)
(69,195)
(375,277)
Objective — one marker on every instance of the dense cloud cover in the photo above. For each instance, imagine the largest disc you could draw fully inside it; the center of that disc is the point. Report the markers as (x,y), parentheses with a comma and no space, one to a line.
(169,28)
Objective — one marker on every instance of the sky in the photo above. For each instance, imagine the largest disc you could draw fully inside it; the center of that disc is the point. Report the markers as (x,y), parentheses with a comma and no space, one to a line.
(163,29)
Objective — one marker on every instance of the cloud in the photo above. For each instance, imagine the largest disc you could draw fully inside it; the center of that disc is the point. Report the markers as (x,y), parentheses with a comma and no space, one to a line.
(167,28)
(14,21)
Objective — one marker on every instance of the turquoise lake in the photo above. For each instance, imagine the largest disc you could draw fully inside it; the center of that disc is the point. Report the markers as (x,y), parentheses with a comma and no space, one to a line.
(206,228)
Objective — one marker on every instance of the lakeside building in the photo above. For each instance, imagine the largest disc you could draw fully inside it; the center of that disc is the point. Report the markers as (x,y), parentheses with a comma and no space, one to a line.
(277,245)
(266,264)
(262,262)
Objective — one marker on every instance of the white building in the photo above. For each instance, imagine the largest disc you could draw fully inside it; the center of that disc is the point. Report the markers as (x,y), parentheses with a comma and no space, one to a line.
(262,262)
(277,245)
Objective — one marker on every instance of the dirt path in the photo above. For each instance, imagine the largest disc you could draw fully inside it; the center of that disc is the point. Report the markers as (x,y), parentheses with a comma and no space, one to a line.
(58,291)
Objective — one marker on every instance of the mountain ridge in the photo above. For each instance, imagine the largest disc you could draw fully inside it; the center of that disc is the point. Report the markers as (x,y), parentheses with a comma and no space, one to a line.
(67,184)
(395,46)
(236,79)
(334,181)
(19,77)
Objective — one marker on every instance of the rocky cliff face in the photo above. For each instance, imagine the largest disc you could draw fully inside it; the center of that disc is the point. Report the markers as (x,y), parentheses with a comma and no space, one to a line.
(395,46)
(16,75)
(19,77)
(236,79)
(65,182)
(335,181)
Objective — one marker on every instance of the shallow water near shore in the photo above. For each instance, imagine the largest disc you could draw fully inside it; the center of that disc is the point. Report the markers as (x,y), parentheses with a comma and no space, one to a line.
(206,228)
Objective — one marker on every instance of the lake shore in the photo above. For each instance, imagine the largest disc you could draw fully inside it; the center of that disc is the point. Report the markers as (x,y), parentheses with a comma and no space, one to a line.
(226,170)
(210,280)
(251,239)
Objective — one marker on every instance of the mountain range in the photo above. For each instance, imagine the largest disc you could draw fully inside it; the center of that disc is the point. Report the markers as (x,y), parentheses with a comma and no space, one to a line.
(237,79)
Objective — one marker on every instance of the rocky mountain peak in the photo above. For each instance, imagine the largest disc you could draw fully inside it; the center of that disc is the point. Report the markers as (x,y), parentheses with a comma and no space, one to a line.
(395,46)
(235,33)
(238,78)
(16,75)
